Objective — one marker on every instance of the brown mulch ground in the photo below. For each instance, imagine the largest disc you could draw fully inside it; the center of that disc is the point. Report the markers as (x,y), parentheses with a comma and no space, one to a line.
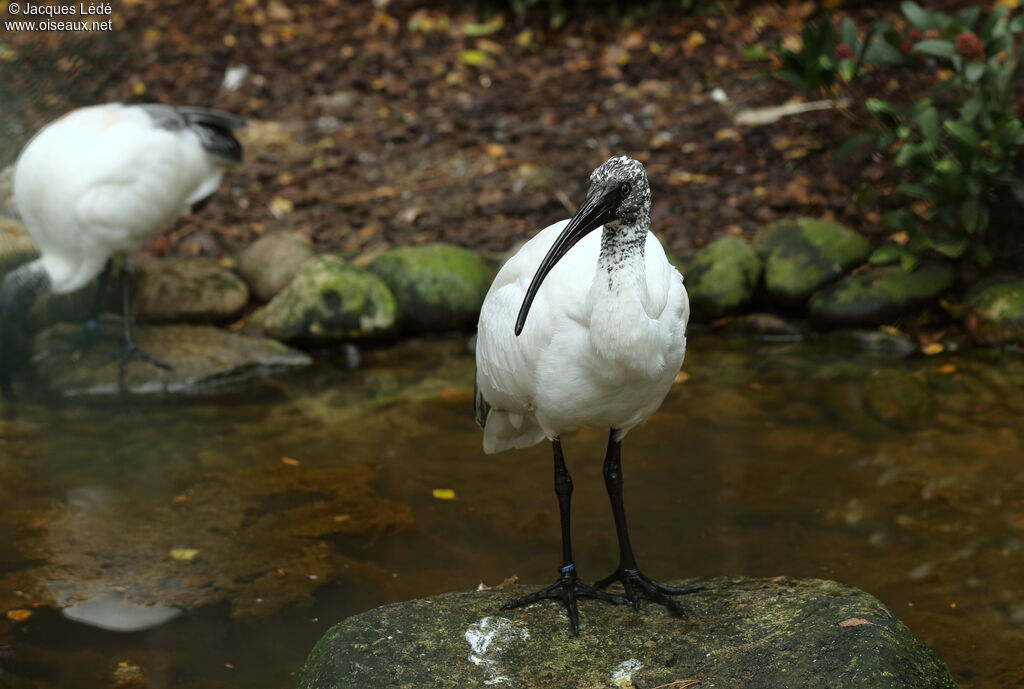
(393,126)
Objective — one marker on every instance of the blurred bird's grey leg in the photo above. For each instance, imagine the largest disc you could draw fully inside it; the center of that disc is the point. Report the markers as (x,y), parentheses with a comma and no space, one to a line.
(632,579)
(568,587)
(129,350)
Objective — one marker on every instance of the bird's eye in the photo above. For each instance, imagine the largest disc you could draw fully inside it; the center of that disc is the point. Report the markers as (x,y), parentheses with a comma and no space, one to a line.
(624,190)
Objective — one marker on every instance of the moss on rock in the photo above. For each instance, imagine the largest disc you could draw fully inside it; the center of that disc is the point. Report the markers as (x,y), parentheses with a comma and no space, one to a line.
(805,254)
(436,286)
(995,310)
(741,632)
(875,297)
(722,277)
(327,301)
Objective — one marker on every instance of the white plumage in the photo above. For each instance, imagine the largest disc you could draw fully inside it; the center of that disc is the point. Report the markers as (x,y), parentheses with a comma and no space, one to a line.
(589,355)
(584,328)
(106,179)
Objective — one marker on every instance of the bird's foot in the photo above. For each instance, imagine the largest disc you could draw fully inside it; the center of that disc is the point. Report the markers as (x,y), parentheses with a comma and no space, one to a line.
(128,352)
(567,589)
(636,583)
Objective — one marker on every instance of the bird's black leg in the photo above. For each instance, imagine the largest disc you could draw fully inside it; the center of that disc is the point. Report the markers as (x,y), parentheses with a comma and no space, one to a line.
(632,579)
(568,587)
(129,350)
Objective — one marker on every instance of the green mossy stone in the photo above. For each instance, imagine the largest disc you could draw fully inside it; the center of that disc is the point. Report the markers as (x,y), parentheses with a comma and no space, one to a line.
(995,310)
(436,286)
(805,254)
(329,301)
(879,295)
(722,277)
(741,632)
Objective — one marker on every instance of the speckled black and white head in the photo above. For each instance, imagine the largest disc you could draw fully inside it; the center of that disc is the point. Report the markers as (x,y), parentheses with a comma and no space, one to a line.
(619,199)
(623,181)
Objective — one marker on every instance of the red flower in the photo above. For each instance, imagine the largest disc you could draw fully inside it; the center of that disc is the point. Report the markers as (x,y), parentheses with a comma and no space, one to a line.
(969,46)
(915,35)
(843,52)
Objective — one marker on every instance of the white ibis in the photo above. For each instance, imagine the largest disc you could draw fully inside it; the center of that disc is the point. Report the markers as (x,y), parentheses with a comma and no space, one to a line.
(104,180)
(598,341)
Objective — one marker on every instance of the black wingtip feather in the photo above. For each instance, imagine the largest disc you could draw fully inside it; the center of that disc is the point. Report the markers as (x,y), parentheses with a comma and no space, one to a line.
(213,127)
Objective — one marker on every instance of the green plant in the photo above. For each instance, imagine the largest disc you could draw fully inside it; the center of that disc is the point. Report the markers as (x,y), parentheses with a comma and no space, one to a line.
(960,146)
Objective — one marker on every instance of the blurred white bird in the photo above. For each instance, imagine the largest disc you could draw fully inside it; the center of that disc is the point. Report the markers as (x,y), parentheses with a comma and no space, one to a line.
(602,346)
(105,180)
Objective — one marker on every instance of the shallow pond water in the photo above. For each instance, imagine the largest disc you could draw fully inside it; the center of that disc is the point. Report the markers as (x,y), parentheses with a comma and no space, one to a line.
(270,514)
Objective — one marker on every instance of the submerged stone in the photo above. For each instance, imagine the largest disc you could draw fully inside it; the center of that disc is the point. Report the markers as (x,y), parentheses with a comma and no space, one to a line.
(436,286)
(897,397)
(741,632)
(766,327)
(805,254)
(879,295)
(69,362)
(995,310)
(191,290)
(113,613)
(272,261)
(328,301)
(722,277)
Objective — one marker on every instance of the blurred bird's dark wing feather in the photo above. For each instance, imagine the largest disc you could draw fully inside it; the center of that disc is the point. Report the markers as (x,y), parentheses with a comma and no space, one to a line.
(480,405)
(214,128)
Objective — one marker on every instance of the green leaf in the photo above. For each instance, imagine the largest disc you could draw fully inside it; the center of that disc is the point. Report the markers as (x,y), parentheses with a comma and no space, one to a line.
(899,219)
(969,214)
(880,51)
(848,33)
(973,71)
(908,261)
(972,106)
(968,17)
(962,132)
(981,254)
(918,191)
(887,253)
(950,247)
(929,122)
(918,16)
(936,47)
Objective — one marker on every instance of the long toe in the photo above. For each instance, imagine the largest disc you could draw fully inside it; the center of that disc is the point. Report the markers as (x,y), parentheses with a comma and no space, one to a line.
(636,584)
(568,589)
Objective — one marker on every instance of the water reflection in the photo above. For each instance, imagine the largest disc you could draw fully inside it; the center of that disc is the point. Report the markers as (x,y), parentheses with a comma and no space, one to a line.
(901,477)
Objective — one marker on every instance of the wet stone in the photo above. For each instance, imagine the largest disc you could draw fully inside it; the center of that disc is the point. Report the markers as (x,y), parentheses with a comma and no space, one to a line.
(437,286)
(741,632)
(995,310)
(875,342)
(69,362)
(766,327)
(722,277)
(193,290)
(271,262)
(879,295)
(329,301)
(804,254)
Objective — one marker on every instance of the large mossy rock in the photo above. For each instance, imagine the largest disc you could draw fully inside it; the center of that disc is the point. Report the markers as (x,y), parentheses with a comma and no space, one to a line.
(436,286)
(190,290)
(271,262)
(995,310)
(804,254)
(744,632)
(329,301)
(722,277)
(203,358)
(879,295)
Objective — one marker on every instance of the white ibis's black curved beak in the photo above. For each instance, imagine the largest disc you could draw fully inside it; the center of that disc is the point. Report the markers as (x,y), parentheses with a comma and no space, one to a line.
(598,209)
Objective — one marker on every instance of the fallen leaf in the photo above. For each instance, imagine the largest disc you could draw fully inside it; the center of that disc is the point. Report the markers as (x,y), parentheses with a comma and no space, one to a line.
(444,493)
(682,377)
(290,462)
(947,368)
(451,394)
(932,349)
(280,207)
(184,554)
(19,615)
